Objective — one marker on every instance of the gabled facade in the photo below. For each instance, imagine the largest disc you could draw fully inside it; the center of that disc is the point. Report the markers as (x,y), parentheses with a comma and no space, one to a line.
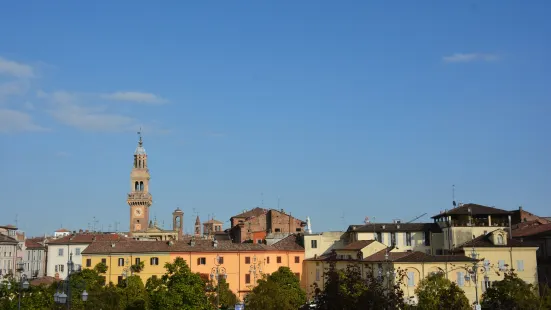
(244,263)
(468,221)
(34,259)
(257,224)
(8,255)
(318,244)
(60,249)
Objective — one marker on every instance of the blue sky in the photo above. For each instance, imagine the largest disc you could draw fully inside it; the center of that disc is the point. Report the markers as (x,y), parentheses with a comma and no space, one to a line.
(343,110)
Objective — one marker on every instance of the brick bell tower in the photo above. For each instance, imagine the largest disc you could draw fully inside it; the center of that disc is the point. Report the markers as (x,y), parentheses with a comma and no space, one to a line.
(139,198)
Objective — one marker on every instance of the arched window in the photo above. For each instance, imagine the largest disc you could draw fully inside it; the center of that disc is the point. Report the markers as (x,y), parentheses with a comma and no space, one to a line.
(136,186)
(141,186)
(500,239)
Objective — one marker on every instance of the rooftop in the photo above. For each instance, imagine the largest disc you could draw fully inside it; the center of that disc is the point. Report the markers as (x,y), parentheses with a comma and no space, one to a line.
(7,239)
(402,257)
(475,209)
(395,227)
(287,244)
(87,238)
(526,230)
(356,245)
(484,241)
(31,244)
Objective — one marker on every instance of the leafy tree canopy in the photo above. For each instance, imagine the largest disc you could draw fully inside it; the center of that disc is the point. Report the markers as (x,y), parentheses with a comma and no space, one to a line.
(512,293)
(435,292)
(279,291)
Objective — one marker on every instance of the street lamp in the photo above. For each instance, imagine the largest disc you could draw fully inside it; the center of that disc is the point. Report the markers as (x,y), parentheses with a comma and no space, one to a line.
(474,271)
(63,293)
(218,272)
(23,285)
(255,268)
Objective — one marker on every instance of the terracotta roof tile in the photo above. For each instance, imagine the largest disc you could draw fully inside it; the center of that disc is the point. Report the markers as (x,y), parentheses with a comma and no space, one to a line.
(402,257)
(357,245)
(475,210)
(7,239)
(31,244)
(289,243)
(254,212)
(62,230)
(176,246)
(484,241)
(528,231)
(87,238)
(395,227)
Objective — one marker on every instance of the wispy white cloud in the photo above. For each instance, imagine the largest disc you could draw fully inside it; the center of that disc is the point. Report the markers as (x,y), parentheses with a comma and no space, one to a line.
(132,96)
(16,69)
(12,88)
(12,121)
(469,57)
(68,109)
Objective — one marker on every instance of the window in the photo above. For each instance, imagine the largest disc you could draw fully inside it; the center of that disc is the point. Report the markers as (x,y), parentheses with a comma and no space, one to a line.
(520,265)
(77,251)
(408,238)
(201,261)
(247,260)
(379,237)
(279,259)
(317,274)
(259,241)
(60,252)
(119,280)
(220,260)
(268,260)
(154,277)
(297,259)
(277,230)
(393,238)
(487,265)
(137,260)
(500,239)
(59,268)
(56,267)
(411,279)
(501,265)
(297,274)
(88,262)
(154,261)
(104,260)
(314,244)
(460,278)
(298,229)
(248,278)
(427,238)
(121,261)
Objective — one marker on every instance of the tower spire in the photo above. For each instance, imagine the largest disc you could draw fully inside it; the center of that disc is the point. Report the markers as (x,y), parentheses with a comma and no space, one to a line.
(140,142)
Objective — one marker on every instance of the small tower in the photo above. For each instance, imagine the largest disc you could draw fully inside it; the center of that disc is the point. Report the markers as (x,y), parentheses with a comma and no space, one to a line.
(139,199)
(178,222)
(308,225)
(197,227)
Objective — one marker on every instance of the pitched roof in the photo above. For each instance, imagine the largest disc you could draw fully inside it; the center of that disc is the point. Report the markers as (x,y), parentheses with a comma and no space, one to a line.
(7,239)
(289,243)
(357,245)
(213,221)
(180,246)
(380,256)
(532,230)
(31,244)
(476,209)
(87,238)
(62,230)
(395,227)
(402,257)
(253,212)
(484,241)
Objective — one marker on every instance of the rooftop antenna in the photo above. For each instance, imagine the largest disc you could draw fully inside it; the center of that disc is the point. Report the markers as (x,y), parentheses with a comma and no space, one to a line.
(262,199)
(117,226)
(95,222)
(453,195)
(109,227)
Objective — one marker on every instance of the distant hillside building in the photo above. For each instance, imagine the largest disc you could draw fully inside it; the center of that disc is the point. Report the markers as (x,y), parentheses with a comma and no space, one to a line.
(259,224)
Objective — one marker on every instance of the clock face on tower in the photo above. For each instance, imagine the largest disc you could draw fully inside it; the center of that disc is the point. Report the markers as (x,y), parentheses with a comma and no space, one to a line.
(138,211)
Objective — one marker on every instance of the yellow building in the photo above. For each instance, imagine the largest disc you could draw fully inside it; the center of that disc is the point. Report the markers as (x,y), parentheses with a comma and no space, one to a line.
(493,251)
(243,263)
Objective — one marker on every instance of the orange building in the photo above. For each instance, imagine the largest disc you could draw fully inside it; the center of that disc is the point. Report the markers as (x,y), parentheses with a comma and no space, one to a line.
(243,263)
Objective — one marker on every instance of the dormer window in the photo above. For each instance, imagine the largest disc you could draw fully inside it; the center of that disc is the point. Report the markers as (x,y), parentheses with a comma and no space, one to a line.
(500,239)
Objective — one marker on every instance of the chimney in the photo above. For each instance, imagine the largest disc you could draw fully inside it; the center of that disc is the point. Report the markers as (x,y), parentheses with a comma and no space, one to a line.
(520,208)
(192,243)
(383,226)
(215,244)
(113,245)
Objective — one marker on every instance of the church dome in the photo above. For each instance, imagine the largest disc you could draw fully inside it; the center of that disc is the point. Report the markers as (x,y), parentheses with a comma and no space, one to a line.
(140,150)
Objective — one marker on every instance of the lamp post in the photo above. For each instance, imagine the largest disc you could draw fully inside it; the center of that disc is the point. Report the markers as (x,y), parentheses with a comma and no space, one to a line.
(472,274)
(126,270)
(218,272)
(23,285)
(255,268)
(63,292)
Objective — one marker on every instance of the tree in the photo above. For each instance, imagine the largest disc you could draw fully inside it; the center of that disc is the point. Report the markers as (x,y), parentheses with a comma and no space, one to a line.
(100,268)
(436,292)
(279,291)
(512,293)
(348,290)
(178,288)
(138,267)
(134,296)
(227,298)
